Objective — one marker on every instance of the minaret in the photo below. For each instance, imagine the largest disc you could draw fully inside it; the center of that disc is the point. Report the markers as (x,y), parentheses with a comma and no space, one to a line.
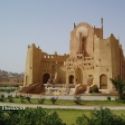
(102,26)
(74,25)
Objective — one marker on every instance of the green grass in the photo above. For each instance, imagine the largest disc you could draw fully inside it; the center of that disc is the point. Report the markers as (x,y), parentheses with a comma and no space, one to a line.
(70,116)
(71,102)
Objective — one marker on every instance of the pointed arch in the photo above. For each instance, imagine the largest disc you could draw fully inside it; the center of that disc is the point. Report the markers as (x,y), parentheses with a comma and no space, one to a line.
(79,76)
(46,77)
(71,79)
(103,81)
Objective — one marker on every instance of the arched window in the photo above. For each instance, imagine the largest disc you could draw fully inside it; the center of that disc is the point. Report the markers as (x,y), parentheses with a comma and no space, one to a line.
(46,77)
(79,76)
(103,81)
(71,79)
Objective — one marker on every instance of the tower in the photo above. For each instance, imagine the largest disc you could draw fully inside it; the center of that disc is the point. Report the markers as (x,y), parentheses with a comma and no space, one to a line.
(102,26)
(32,74)
(81,42)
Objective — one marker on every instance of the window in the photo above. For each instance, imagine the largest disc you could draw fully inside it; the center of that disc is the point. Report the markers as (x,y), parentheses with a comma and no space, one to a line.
(103,81)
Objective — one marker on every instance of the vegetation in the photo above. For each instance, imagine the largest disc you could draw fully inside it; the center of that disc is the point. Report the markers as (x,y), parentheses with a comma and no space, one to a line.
(78,100)
(28,98)
(22,99)
(8,90)
(100,117)
(2,98)
(54,100)
(10,98)
(41,116)
(41,101)
(29,117)
(109,98)
(119,84)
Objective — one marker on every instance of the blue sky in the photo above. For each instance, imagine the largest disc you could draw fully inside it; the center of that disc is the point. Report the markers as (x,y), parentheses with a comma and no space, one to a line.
(48,24)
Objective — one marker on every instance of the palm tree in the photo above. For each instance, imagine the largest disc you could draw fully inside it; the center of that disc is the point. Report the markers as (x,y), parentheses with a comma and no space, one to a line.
(119,84)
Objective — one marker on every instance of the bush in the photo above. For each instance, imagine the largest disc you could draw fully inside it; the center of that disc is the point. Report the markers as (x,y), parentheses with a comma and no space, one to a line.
(78,100)
(53,100)
(22,99)
(53,119)
(101,117)
(10,98)
(94,89)
(28,99)
(41,101)
(17,96)
(2,98)
(29,116)
(119,85)
(109,98)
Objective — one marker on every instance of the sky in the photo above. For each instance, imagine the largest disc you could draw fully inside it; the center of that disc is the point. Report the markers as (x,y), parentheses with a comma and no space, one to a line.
(48,23)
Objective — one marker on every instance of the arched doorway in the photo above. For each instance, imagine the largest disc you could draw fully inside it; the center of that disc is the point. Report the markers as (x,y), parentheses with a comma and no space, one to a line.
(103,81)
(71,79)
(79,76)
(46,77)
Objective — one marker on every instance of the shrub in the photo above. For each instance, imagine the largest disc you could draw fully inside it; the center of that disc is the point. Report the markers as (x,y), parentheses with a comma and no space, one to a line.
(109,98)
(2,98)
(28,99)
(29,116)
(101,117)
(53,119)
(22,99)
(41,101)
(119,85)
(78,100)
(10,98)
(53,100)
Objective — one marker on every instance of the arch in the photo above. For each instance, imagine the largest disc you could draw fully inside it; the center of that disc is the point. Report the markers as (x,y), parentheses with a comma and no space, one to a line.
(46,77)
(71,79)
(90,80)
(79,75)
(103,81)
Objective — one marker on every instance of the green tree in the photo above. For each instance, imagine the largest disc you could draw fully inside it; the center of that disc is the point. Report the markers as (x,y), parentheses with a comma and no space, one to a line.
(119,84)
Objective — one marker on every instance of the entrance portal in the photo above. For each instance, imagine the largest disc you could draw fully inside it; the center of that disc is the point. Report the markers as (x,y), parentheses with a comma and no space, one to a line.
(103,81)
(46,77)
(71,79)
(79,76)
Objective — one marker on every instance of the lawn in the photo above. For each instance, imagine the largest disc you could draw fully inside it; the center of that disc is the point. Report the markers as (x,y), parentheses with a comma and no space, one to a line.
(70,116)
(67,102)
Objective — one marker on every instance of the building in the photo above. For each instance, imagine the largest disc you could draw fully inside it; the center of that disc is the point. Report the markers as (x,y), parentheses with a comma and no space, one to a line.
(93,60)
